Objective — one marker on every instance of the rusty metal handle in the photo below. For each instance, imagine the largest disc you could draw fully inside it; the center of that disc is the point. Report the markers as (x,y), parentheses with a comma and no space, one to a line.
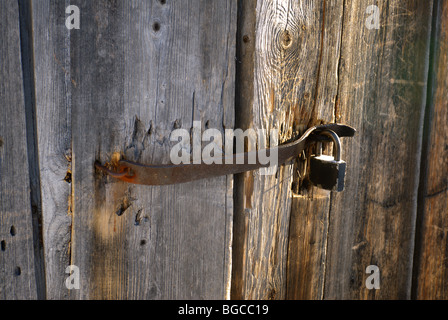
(137,173)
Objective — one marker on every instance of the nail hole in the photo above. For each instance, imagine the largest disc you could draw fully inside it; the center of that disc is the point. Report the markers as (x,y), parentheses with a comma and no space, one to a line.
(156,26)
(68,177)
(162,1)
(142,242)
(3,245)
(246,39)
(17,271)
(13,231)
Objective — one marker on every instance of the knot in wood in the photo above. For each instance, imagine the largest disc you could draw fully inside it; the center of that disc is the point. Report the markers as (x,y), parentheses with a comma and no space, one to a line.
(286,39)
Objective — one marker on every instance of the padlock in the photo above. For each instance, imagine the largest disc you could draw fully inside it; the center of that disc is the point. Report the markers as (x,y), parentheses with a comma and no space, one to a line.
(328,172)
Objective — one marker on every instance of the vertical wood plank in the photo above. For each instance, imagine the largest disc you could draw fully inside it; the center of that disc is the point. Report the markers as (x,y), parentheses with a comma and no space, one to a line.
(184,73)
(277,55)
(382,93)
(141,69)
(17,261)
(431,280)
(53,110)
(308,230)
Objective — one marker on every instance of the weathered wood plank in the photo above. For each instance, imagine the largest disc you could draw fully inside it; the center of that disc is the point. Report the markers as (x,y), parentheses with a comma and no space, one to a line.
(141,69)
(277,55)
(53,110)
(17,260)
(310,206)
(431,267)
(382,92)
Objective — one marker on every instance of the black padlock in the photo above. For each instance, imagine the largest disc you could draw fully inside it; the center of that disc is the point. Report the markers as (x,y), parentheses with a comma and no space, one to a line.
(328,172)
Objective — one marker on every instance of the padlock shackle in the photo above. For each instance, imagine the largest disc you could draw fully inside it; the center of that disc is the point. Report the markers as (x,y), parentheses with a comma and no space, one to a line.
(336,144)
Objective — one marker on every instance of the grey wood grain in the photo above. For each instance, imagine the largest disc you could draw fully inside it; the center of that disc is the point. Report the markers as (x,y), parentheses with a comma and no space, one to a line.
(17,260)
(142,68)
(53,119)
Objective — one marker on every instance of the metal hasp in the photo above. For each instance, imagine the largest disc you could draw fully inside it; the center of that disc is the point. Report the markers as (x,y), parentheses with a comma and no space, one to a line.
(137,173)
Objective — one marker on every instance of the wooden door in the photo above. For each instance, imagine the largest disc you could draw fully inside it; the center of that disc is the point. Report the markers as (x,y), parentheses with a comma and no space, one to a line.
(117,84)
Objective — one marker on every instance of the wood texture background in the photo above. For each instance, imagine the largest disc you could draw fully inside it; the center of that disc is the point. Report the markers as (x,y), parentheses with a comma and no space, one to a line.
(136,70)
(53,85)
(18,278)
